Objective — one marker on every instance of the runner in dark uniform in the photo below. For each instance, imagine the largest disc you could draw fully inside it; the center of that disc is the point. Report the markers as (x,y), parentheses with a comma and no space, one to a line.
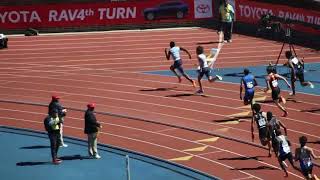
(304,155)
(273,84)
(260,119)
(297,72)
(273,125)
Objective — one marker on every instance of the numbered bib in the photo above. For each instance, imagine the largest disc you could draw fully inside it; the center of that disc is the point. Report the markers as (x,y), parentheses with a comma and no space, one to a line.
(262,122)
(250,85)
(307,162)
(274,83)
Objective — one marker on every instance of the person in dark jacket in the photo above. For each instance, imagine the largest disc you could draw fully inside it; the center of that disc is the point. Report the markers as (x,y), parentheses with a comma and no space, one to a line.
(91,128)
(51,123)
(55,104)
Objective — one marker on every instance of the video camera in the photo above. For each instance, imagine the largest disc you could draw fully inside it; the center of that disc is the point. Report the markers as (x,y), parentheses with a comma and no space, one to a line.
(3,41)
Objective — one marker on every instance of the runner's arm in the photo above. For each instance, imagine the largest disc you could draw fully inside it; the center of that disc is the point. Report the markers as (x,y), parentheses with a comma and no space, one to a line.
(255,83)
(283,78)
(284,127)
(297,154)
(183,49)
(252,122)
(167,53)
(241,82)
(312,154)
(268,85)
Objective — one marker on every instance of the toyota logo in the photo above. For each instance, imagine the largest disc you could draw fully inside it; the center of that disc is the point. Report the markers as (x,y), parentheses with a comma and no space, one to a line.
(203,8)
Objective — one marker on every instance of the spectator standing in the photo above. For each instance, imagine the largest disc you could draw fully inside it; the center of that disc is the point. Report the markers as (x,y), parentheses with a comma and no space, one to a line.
(226,12)
(91,128)
(51,123)
(55,104)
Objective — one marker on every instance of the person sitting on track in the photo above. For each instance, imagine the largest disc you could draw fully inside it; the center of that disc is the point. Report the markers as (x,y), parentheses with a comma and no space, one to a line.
(284,151)
(174,52)
(297,72)
(259,118)
(273,84)
(304,155)
(204,69)
(249,82)
(273,125)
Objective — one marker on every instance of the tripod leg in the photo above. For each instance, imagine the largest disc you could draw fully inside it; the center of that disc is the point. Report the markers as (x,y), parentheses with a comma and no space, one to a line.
(280,53)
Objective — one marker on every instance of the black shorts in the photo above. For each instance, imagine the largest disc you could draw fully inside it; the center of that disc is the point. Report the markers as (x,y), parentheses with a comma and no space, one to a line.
(307,171)
(299,75)
(286,156)
(204,71)
(263,135)
(275,93)
(178,65)
(275,145)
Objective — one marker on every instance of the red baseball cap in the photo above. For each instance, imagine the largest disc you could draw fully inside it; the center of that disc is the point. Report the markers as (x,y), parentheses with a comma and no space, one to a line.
(91,105)
(55,97)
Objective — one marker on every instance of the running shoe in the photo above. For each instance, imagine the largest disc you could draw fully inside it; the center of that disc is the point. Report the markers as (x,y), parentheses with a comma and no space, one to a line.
(311,85)
(219,77)
(199,92)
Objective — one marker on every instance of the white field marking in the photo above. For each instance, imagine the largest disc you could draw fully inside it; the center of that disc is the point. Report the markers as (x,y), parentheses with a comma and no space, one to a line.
(103,48)
(112,59)
(108,32)
(171,116)
(191,35)
(161,82)
(150,143)
(126,44)
(164,130)
(211,152)
(146,80)
(249,177)
(196,110)
(175,137)
(142,94)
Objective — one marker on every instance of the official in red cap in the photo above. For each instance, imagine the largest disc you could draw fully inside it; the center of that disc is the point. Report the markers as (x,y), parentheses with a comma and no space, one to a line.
(91,128)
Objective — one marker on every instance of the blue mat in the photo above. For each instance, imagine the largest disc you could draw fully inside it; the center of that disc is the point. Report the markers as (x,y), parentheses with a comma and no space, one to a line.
(26,155)
(233,75)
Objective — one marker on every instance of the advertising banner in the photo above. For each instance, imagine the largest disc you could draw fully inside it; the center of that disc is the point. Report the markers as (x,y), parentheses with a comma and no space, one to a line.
(302,20)
(103,14)
(203,9)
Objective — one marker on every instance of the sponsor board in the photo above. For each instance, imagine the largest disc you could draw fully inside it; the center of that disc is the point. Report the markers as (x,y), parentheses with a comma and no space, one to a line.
(100,14)
(302,20)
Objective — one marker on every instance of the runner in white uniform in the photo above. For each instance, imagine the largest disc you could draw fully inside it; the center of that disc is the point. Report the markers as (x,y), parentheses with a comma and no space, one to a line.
(284,151)
(204,69)
(174,52)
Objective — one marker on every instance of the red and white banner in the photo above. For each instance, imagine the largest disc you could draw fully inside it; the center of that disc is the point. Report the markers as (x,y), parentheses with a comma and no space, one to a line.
(250,12)
(100,14)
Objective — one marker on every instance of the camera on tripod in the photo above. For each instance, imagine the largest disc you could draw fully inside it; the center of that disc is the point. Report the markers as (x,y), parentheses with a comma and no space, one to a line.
(3,41)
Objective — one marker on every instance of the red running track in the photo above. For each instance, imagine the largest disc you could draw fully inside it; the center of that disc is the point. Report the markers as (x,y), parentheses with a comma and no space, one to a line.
(106,68)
